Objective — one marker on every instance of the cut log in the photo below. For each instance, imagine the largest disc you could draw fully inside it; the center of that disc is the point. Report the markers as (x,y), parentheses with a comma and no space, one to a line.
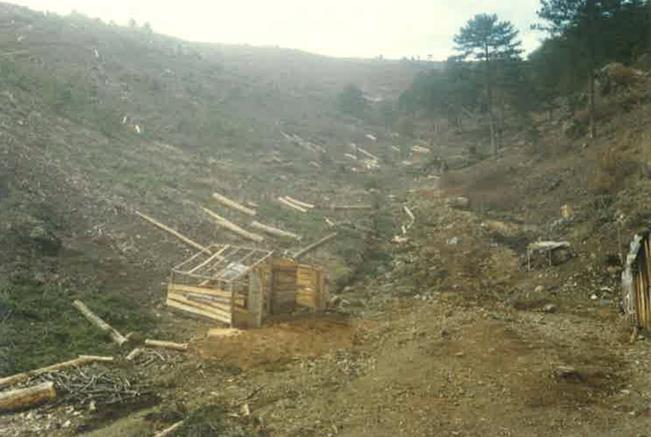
(169,431)
(274,231)
(133,354)
(167,345)
(23,398)
(368,154)
(118,338)
(79,361)
(222,222)
(291,205)
(171,231)
(299,203)
(350,207)
(314,245)
(409,213)
(233,205)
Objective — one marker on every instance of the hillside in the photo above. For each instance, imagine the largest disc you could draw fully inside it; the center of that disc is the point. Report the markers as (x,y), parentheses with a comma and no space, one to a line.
(436,326)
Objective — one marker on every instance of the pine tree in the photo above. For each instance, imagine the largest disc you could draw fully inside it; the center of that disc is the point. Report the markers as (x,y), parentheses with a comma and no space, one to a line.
(489,41)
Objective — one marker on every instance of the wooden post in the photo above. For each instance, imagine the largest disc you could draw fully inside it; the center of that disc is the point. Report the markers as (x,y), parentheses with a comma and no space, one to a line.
(24,398)
(171,231)
(233,205)
(255,299)
(222,222)
(118,338)
(274,231)
(79,361)
(314,245)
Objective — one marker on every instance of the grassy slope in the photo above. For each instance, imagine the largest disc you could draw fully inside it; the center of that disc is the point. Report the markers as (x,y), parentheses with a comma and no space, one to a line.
(211,118)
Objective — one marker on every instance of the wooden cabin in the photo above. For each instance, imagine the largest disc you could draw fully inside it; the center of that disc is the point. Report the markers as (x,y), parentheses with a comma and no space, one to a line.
(242,287)
(636,282)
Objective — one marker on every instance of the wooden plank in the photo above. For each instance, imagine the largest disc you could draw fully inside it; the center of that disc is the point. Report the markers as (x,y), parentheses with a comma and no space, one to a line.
(182,288)
(233,205)
(224,305)
(198,311)
(201,306)
(171,231)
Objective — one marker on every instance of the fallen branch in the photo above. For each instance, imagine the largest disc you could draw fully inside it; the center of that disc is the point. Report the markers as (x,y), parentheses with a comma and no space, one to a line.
(314,245)
(232,204)
(171,231)
(291,205)
(167,345)
(77,362)
(274,231)
(118,338)
(299,203)
(170,430)
(222,222)
(24,398)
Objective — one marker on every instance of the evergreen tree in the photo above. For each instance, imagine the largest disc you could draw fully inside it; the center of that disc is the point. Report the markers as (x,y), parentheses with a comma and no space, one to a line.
(489,41)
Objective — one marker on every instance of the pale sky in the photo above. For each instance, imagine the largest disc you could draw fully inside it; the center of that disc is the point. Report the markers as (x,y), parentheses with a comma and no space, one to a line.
(348,28)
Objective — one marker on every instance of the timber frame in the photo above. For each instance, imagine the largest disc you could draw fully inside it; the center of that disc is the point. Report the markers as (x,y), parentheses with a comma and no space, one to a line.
(242,287)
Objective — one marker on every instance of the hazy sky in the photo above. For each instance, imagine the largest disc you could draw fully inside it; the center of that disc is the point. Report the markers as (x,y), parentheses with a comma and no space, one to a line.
(360,28)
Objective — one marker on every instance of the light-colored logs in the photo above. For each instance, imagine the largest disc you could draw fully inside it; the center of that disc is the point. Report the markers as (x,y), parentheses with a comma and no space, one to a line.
(233,205)
(171,231)
(222,222)
(29,397)
(274,231)
(79,361)
(314,245)
(118,338)
(167,345)
(291,205)
(299,203)
(169,431)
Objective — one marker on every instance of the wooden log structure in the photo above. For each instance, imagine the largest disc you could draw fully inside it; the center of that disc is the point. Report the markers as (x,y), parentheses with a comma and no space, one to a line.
(118,338)
(171,231)
(314,245)
(227,224)
(300,203)
(77,362)
(233,205)
(182,347)
(292,205)
(274,231)
(24,398)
